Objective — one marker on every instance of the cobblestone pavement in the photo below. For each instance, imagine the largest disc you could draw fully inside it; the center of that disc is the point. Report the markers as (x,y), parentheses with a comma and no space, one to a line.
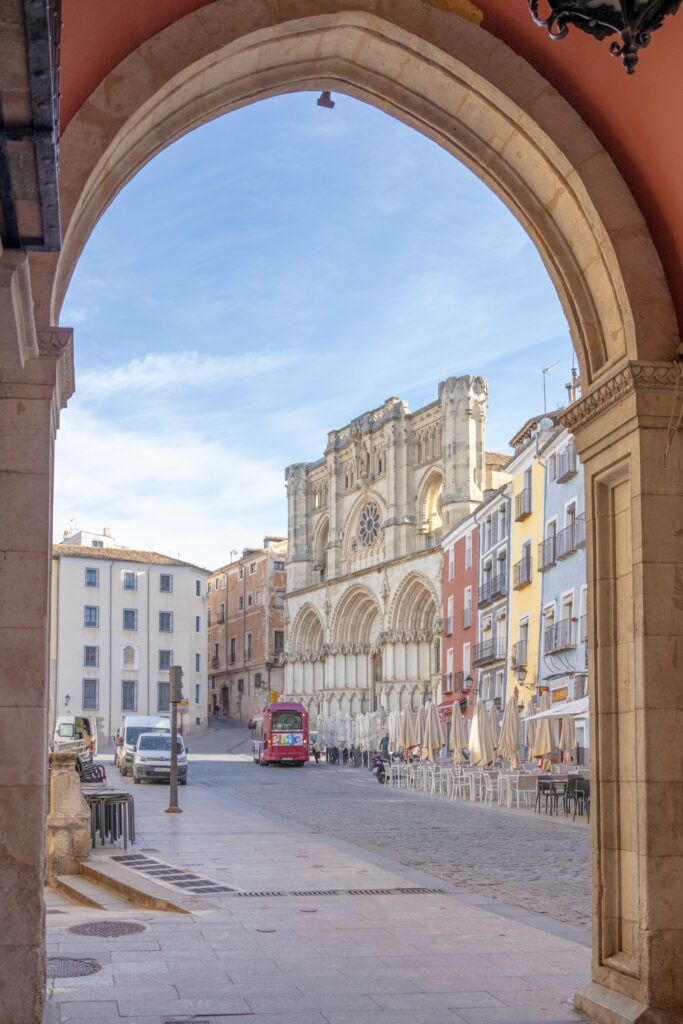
(539,863)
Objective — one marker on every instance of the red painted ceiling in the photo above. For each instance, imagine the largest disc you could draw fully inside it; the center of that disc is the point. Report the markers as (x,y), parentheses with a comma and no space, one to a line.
(636,117)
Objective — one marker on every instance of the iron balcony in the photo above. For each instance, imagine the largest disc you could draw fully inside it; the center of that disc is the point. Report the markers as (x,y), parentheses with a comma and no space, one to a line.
(521,573)
(492,588)
(523,504)
(520,653)
(559,636)
(489,651)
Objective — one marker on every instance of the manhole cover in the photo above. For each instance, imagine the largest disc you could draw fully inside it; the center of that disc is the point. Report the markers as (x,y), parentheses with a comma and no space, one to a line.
(67,967)
(108,928)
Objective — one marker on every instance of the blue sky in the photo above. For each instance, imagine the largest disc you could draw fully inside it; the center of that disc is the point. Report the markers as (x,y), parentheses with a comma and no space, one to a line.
(264,280)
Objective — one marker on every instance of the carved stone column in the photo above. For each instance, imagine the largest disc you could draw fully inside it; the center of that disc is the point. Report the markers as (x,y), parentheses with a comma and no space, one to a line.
(68,823)
(36,379)
(633,461)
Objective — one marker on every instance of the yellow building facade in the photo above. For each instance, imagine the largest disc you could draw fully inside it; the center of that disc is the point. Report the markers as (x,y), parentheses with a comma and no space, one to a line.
(526,533)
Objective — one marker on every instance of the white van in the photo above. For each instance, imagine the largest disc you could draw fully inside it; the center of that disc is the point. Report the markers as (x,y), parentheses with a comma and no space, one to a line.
(76,729)
(131,727)
(152,759)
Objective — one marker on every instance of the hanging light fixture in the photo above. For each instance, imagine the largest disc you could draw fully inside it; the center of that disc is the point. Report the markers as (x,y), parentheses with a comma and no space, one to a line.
(633,20)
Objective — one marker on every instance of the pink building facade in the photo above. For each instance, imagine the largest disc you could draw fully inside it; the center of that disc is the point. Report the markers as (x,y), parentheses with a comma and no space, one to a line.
(460,560)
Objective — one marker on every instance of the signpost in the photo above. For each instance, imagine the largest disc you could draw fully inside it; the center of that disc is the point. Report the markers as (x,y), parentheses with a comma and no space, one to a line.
(273,697)
(176,680)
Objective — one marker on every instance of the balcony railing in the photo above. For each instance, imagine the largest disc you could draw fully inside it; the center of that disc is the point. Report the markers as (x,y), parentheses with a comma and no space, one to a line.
(447,682)
(467,617)
(523,504)
(459,681)
(559,636)
(492,587)
(567,464)
(221,618)
(521,573)
(520,653)
(583,628)
(580,531)
(488,651)
(546,554)
(449,625)
(215,662)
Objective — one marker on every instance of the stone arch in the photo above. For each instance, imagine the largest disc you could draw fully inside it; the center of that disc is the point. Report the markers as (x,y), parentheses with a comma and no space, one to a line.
(351,522)
(356,617)
(469,94)
(320,539)
(415,604)
(129,655)
(307,631)
(429,503)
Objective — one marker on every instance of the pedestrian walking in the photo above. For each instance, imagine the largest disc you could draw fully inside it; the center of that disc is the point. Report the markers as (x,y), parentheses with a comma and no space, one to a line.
(316,752)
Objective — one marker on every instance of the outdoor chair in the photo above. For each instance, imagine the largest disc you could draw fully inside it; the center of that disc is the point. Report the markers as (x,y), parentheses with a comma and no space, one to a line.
(491,787)
(525,788)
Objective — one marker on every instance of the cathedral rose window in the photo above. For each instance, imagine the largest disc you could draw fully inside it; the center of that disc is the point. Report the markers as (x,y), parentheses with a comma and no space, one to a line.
(368,527)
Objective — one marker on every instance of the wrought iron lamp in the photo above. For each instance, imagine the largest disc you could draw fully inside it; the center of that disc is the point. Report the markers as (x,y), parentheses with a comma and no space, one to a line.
(467,683)
(633,20)
(520,674)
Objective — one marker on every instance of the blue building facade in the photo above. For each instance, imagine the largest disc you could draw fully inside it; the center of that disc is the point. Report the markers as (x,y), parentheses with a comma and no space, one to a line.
(563,645)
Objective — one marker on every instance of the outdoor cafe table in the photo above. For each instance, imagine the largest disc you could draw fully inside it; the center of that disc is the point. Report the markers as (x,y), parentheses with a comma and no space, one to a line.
(112,813)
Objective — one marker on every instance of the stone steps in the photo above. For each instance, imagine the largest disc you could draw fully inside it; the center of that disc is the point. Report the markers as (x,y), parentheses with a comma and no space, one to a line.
(89,893)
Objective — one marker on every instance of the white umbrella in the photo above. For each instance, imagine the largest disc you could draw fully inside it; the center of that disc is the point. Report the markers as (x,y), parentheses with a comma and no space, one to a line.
(433,741)
(494,723)
(544,741)
(394,730)
(575,708)
(529,728)
(508,743)
(407,738)
(482,750)
(347,729)
(567,738)
(420,725)
(458,741)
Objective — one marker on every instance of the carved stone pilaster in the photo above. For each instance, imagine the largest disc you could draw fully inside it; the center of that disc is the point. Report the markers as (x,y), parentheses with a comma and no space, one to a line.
(632,378)
(57,344)
(17,327)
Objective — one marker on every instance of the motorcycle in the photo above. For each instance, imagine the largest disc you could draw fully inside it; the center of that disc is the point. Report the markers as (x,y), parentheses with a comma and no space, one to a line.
(380,767)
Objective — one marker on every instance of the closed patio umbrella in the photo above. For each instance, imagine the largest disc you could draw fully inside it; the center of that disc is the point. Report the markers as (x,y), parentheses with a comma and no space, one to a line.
(529,729)
(482,750)
(407,738)
(433,741)
(567,738)
(494,723)
(458,742)
(394,724)
(544,741)
(510,732)
(420,725)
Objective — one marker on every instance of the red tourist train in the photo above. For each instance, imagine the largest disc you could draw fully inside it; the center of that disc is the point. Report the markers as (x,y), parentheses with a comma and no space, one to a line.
(280,734)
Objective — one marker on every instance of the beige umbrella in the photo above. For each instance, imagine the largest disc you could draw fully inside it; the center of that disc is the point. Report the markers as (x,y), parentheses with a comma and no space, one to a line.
(529,728)
(508,744)
(407,738)
(482,750)
(494,723)
(394,723)
(544,740)
(458,740)
(567,738)
(420,725)
(433,741)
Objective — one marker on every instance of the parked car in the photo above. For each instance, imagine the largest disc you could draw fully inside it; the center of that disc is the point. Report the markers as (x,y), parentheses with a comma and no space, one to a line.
(152,758)
(132,726)
(76,729)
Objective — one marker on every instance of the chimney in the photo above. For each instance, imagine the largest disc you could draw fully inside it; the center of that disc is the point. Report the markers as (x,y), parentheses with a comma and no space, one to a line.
(106,531)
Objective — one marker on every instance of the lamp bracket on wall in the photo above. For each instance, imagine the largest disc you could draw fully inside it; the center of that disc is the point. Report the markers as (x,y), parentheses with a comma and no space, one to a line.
(633,20)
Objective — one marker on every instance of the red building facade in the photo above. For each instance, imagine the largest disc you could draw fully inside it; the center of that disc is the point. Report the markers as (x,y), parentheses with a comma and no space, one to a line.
(460,558)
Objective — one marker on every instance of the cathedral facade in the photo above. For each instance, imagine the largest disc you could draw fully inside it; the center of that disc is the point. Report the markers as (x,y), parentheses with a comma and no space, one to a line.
(363,610)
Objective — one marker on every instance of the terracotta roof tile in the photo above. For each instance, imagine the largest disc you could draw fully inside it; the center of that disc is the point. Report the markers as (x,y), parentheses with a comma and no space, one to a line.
(120,555)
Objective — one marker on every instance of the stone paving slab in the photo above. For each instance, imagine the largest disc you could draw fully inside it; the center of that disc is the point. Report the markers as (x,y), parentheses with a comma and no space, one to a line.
(268,960)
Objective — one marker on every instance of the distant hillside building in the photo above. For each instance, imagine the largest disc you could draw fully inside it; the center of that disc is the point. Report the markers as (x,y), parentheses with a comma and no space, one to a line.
(119,619)
(246,630)
(364,570)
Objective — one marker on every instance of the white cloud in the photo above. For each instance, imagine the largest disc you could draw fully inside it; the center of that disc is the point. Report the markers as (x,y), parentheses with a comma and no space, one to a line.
(164,490)
(158,371)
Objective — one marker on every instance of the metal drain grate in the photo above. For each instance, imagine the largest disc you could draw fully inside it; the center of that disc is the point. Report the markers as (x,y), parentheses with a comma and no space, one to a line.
(181,878)
(67,967)
(345,892)
(107,928)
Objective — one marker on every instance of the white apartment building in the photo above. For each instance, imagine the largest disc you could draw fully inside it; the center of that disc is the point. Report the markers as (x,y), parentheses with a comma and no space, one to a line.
(119,619)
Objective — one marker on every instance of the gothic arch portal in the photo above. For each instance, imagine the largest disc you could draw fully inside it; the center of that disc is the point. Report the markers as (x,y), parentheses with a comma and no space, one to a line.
(415,605)
(429,503)
(307,631)
(356,617)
